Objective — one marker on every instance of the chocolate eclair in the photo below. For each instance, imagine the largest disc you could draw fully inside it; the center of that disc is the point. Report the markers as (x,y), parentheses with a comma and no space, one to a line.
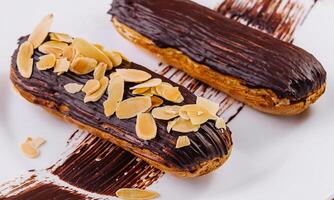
(263,72)
(120,101)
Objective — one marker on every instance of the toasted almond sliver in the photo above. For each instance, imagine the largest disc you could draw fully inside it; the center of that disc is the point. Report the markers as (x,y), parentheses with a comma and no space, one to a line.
(87,49)
(115,95)
(100,71)
(136,194)
(98,94)
(184,126)
(73,88)
(110,106)
(29,150)
(38,142)
(140,91)
(148,84)
(83,65)
(158,90)
(182,141)
(61,37)
(133,75)
(170,124)
(41,31)
(24,61)
(220,124)
(46,62)
(115,57)
(166,112)
(62,65)
(91,86)
(184,115)
(133,106)
(146,127)
(69,53)
(211,106)
(172,94)
(197,114)
(53,47)
(156,102)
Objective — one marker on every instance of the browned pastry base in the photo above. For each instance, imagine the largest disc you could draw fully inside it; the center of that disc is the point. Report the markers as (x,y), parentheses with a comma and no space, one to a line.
(60,111)
(264,100)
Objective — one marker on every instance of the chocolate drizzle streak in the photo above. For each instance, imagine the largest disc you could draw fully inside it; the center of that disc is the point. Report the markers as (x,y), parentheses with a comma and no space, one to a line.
(224,45)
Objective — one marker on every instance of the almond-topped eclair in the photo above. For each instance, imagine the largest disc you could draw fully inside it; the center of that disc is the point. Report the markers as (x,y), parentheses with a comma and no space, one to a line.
(100,91)
(265,73)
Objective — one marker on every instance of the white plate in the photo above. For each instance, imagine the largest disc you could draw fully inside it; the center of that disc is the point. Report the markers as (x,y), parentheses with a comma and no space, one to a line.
(273,157)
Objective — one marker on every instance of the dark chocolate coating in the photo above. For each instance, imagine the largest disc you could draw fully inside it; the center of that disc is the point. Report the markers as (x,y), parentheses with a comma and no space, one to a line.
(228,47)
(206,144)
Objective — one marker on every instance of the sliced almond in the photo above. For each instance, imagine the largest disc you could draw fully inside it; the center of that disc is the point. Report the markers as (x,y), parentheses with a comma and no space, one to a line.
(166,112)
(62,65)
(146,127)
(148,84)
(73,88)
(99,46)
(46,62)
(197,114)
(220,124)
(182,141)
(211,106)
(136,194)
(158,90)
(133,106)
(140,91)
(83,65)
(172,94)
(69,53)
(170,124)
(24,61)
(41,31)
(115,95)
(99,93)
(184,126)
(156,102)
(87,49)
(53,47)
(61,37)
(115,57)
(91,86)
(100,71)
(134,75)
(29,150)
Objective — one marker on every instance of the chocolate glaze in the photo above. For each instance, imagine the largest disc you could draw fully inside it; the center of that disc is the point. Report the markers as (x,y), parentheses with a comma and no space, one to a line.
(228,47)
(206,144)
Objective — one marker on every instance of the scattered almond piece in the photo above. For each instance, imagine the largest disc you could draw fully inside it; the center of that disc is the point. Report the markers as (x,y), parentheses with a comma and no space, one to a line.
(24,61)
(46,62)
(220,124)
(62,65)
(69,53)
(87,49)
(148,84)
(100,71)
(115,57)
(182,141)
(53,47)
(211,106)
(197,114)
(166,112)
(91,86)
(73,88)
(146,127)
(136,194)
(115,94)
(184,126)
(134,75)
(83,65)
(156,102)
(168,92)
(133,106)
(41,31)
(170,124)
(30,147)
(61,37)
(140,91)
(99,93)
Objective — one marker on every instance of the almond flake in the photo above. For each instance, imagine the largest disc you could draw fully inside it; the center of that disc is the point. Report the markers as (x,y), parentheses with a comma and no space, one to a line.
(148,84)
(166,112)
(140,91)
(91,86)
(168,92)
(89,50)
(69,53)
(184,126)
(133,106)
(115,95)
(99,46)
(115,57)
(133,75)
(73,88)
(83,65)
(197,114)
(182,141)
(136,194)
(156,102)
(24,61)
(158,90)
(211,106)
(220,124)
(146,127)
(41,31)
(99,93)
(62,65)
(61,37)
(46,62)
(53,47)
(29,150)
(100,71)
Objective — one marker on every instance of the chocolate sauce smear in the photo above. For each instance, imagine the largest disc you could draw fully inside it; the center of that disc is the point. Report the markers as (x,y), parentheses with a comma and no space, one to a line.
(224,45)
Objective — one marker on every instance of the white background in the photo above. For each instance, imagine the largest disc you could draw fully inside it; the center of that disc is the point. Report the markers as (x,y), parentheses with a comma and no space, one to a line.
(273,157)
